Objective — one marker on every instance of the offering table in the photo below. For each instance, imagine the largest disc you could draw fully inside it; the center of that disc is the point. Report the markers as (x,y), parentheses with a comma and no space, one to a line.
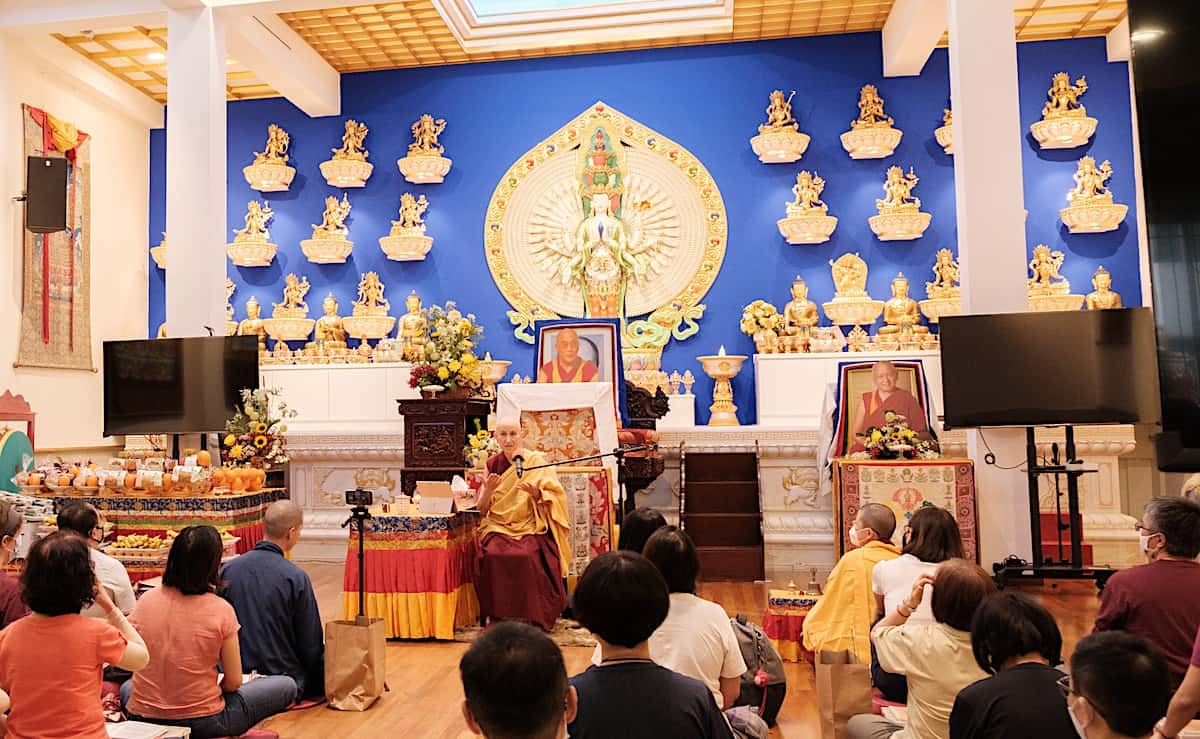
(783,622)
(420,573)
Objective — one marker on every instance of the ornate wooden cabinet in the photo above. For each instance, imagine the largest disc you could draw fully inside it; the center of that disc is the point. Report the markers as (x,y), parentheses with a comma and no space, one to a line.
(435,432)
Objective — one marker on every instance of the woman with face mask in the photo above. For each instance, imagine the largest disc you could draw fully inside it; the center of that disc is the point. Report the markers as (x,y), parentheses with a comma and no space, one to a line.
(1118,686)
(11,605)
(932,537)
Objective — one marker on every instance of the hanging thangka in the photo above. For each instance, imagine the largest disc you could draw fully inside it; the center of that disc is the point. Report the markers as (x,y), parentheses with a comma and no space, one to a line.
(55,279)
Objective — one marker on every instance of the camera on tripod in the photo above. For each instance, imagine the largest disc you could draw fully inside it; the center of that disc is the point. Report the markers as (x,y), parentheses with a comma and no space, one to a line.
(360,497)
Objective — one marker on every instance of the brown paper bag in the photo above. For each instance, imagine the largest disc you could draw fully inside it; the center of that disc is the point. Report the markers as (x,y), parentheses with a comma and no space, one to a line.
(355,666)
(843,690)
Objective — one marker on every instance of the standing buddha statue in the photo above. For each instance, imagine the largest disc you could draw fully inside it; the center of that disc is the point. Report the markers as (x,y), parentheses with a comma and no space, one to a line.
(413,326)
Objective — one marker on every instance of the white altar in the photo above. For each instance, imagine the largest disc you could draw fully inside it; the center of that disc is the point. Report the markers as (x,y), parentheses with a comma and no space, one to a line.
(348,434)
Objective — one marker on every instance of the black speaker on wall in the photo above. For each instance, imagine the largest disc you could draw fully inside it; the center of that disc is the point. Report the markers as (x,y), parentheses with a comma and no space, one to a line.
(46,194)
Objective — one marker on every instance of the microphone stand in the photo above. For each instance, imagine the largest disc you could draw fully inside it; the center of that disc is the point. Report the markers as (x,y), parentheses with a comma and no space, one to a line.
(618,454)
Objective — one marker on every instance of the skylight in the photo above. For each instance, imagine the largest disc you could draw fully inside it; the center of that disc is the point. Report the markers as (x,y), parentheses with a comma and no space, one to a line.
(484,8)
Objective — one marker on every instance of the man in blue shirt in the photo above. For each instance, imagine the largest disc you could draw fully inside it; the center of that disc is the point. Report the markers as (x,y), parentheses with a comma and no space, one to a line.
(281,630)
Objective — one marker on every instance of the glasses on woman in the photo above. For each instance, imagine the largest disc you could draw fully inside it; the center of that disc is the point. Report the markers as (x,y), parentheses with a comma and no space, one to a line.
(1064,686)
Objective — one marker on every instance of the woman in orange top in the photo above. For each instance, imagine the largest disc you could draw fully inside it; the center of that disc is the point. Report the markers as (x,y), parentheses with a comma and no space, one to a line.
(189,628)
(50,661)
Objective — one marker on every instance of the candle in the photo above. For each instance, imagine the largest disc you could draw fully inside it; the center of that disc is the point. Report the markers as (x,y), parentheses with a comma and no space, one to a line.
(487,356)
(721,352)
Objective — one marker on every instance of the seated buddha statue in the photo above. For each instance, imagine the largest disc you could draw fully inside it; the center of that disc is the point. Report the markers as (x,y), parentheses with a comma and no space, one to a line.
(1103,297)
(799,316)
(900,314)
(252,325)
(329,330)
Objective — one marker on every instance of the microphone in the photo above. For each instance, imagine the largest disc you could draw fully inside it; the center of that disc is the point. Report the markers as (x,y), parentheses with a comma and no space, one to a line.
(519,461)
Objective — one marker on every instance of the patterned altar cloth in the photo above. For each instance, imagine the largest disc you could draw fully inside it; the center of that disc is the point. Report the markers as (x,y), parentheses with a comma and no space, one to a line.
(904,486)
(419,574)
(784,623)
(239,514)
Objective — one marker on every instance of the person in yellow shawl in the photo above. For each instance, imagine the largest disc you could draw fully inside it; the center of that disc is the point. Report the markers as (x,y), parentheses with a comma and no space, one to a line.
(842,618)
(524,535)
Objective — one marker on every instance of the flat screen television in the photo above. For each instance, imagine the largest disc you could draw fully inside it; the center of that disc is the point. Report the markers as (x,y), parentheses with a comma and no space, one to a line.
(176,386)
(1166,76)
(1049,369)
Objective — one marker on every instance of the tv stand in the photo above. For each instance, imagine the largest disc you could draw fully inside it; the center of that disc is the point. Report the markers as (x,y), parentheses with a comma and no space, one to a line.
(1042,567)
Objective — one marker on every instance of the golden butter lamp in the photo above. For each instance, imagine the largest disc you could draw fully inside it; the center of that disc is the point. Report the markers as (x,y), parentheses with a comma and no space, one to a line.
(722,368)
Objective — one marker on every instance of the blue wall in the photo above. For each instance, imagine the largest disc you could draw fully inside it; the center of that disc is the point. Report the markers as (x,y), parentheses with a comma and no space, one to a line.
(709,99)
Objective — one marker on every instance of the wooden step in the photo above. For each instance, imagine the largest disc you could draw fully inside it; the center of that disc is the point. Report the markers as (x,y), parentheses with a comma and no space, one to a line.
(721,497)
(731,563)
(742,466)
(724,529)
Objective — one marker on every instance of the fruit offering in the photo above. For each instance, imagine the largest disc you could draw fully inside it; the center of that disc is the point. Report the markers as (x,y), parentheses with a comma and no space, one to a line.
(140,541)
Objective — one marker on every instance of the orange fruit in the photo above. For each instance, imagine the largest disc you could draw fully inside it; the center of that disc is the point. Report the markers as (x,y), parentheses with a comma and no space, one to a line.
(130,480)
(35,478)
(204,458)
(131,465)
(168,481)
(238,484)
(74,470)
(64,480)
(218,476)
(93,481)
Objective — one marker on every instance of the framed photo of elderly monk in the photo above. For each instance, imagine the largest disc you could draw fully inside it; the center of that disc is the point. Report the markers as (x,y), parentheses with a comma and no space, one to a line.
(575,350)
(868,391)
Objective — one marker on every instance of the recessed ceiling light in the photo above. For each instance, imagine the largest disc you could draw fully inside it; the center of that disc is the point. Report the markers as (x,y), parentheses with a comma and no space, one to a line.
(156,56)
(1146,35)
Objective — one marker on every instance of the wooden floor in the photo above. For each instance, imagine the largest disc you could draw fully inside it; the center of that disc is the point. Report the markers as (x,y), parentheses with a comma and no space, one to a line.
(426,694)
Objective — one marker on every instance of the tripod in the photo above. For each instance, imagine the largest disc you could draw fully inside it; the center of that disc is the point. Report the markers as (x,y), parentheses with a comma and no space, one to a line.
(617,454)
(358,518)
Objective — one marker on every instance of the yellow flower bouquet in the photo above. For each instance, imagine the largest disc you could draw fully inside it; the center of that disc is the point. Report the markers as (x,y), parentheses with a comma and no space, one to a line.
(449,362)
(895,440)
(256,435)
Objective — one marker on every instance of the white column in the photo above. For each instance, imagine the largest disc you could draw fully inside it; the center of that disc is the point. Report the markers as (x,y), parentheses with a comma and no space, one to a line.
(991,235)
(195,172)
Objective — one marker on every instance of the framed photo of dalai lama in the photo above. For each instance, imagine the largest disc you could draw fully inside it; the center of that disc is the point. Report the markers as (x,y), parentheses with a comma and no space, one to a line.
(868,391)
(574,350)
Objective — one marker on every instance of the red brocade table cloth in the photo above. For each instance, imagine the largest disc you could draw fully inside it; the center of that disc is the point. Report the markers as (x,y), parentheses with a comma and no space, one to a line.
(239,514)
(419,574)
(784,623)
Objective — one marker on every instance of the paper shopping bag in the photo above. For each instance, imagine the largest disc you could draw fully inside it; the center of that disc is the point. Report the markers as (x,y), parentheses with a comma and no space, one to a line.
(355,667)
(843,690)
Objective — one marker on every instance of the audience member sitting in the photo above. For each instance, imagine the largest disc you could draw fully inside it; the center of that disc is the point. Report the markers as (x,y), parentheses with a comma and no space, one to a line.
(1160,600)
(936,658)
(11,605)
(1185,704)
(1017,642)
(274,602)
(696,639)
(841,619)
(932,537)
(83,519)
(637,527)
(621,598)
(1118,687)
(515,685)
(189,629)
(50,661)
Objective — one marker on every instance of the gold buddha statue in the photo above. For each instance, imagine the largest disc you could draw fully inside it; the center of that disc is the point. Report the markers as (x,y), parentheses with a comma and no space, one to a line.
(293,305)
(329,330)
(1103,297)
(901,314)
(253,324)
(1044,267)
(413,325)
(799,316)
